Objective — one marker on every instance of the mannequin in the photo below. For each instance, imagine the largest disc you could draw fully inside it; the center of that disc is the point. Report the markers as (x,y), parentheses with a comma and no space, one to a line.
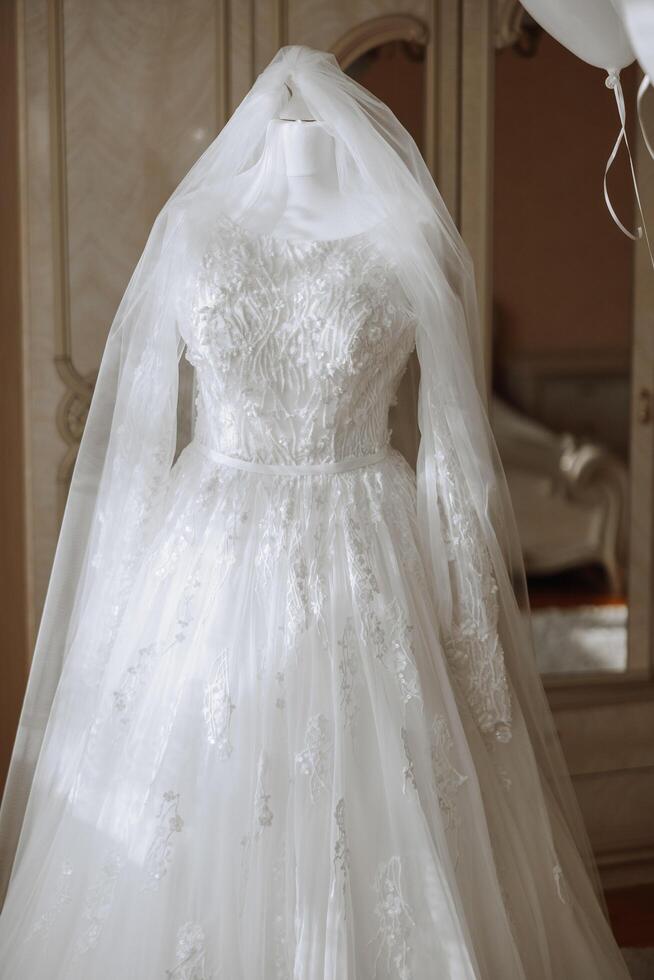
(315,208)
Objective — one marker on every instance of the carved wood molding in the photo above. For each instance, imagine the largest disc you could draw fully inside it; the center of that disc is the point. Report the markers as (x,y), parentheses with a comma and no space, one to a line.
(509,17)
(281,21)
(377,31)
(223,26)
(75,402)
(74,405)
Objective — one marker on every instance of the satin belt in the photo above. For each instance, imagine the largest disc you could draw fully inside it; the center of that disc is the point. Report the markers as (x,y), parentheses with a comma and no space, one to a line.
(291,469)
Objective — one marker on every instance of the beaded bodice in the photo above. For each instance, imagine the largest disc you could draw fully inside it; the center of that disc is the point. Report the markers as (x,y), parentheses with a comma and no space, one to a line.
(298,346)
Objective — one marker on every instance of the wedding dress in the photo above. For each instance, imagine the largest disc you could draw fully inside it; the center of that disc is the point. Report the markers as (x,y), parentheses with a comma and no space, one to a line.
(270,752)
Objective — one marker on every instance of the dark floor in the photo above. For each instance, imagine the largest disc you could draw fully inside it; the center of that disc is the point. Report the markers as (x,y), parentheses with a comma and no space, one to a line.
(631,911)
(577,587)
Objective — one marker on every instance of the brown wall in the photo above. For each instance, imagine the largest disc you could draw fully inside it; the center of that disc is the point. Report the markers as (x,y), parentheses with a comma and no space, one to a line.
(13,605)
(562,270)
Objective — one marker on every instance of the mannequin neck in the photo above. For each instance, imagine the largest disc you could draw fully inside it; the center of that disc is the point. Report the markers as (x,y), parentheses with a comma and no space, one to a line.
(310,163)
(314,205)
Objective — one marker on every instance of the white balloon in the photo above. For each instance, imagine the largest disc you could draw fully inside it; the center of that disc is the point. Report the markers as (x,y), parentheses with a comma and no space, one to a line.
(591,29)
(638,19)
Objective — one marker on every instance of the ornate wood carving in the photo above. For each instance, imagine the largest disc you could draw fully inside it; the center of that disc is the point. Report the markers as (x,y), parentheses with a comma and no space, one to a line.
(377,31)
(509,18)
(75,402)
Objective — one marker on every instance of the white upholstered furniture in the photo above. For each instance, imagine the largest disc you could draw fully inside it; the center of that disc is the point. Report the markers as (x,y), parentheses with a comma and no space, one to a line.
(570,497)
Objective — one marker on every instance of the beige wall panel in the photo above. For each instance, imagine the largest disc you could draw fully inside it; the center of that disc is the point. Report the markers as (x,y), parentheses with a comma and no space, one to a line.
(44,446)
(320,25)
(606,737)
(137,102)
(618,809)
(641,543)
(139,106)
(241,19)
(270,31)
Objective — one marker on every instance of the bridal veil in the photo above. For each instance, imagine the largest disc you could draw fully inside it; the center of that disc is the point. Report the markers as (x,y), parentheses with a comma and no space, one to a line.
(471,549)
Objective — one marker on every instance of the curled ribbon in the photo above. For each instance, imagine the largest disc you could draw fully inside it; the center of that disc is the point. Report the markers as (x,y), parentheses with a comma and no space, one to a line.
(642,88)
(612,81)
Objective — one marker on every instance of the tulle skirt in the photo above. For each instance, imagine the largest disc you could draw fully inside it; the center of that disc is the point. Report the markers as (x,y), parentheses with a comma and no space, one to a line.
(278,777)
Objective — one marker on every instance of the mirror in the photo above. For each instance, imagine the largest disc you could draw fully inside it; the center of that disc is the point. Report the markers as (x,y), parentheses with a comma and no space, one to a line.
(562,323)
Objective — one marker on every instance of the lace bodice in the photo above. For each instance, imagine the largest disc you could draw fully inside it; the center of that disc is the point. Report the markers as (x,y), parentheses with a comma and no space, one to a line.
(298,346)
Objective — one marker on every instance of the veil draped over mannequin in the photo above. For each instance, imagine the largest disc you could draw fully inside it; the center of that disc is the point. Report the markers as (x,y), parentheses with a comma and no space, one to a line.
(130,439)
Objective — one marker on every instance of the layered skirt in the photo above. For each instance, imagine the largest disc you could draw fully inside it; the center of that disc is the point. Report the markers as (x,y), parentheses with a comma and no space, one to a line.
(278,779)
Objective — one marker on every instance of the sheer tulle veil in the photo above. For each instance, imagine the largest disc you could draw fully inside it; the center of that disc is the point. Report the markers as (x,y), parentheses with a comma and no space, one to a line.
(131,438)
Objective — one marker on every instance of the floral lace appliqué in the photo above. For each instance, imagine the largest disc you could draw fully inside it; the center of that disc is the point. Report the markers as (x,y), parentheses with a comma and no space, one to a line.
(448,780)
(341,849)
(395,921)
(347,669)
(313,761)
(297,347)
(190,954)
(99,902)
(472,646)
(397,653)
(264,812)
(409,769)
(47,920)
(218,707)
(169,825)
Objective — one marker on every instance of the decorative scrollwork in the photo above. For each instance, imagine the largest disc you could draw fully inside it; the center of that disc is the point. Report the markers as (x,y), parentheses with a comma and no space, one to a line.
(72,412)
(377,31)
(508,23)
(515,28)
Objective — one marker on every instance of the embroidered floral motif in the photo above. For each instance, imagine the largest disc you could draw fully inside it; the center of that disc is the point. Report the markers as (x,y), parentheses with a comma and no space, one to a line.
(246,848)
(559,880)
(341,850)
(218,706)
(347,668)
(504,777)
(99,902)
(133,680)
(409,769)
(280,944)
(262,340)
(263,810)
(274,532)
(473,646)
(46,921)
(169,824)
(447,779)
(298,605)
(314,759)
(363,577)
(190,955)
(395,921)
(397,653)
(137,674)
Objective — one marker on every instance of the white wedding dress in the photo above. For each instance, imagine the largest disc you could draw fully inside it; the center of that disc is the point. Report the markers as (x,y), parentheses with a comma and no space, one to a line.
(284,777)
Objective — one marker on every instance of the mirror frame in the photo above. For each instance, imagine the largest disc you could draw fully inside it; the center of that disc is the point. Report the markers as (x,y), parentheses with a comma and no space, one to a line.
(461,40)
(637,681)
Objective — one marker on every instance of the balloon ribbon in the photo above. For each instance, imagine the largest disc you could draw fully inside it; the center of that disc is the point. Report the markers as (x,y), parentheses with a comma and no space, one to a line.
(613,82)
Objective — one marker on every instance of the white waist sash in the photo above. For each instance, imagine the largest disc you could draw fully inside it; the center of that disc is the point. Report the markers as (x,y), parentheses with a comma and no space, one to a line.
(291,469)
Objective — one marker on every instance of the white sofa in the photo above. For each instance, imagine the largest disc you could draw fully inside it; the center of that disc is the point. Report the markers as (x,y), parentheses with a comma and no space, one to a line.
(570,497)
